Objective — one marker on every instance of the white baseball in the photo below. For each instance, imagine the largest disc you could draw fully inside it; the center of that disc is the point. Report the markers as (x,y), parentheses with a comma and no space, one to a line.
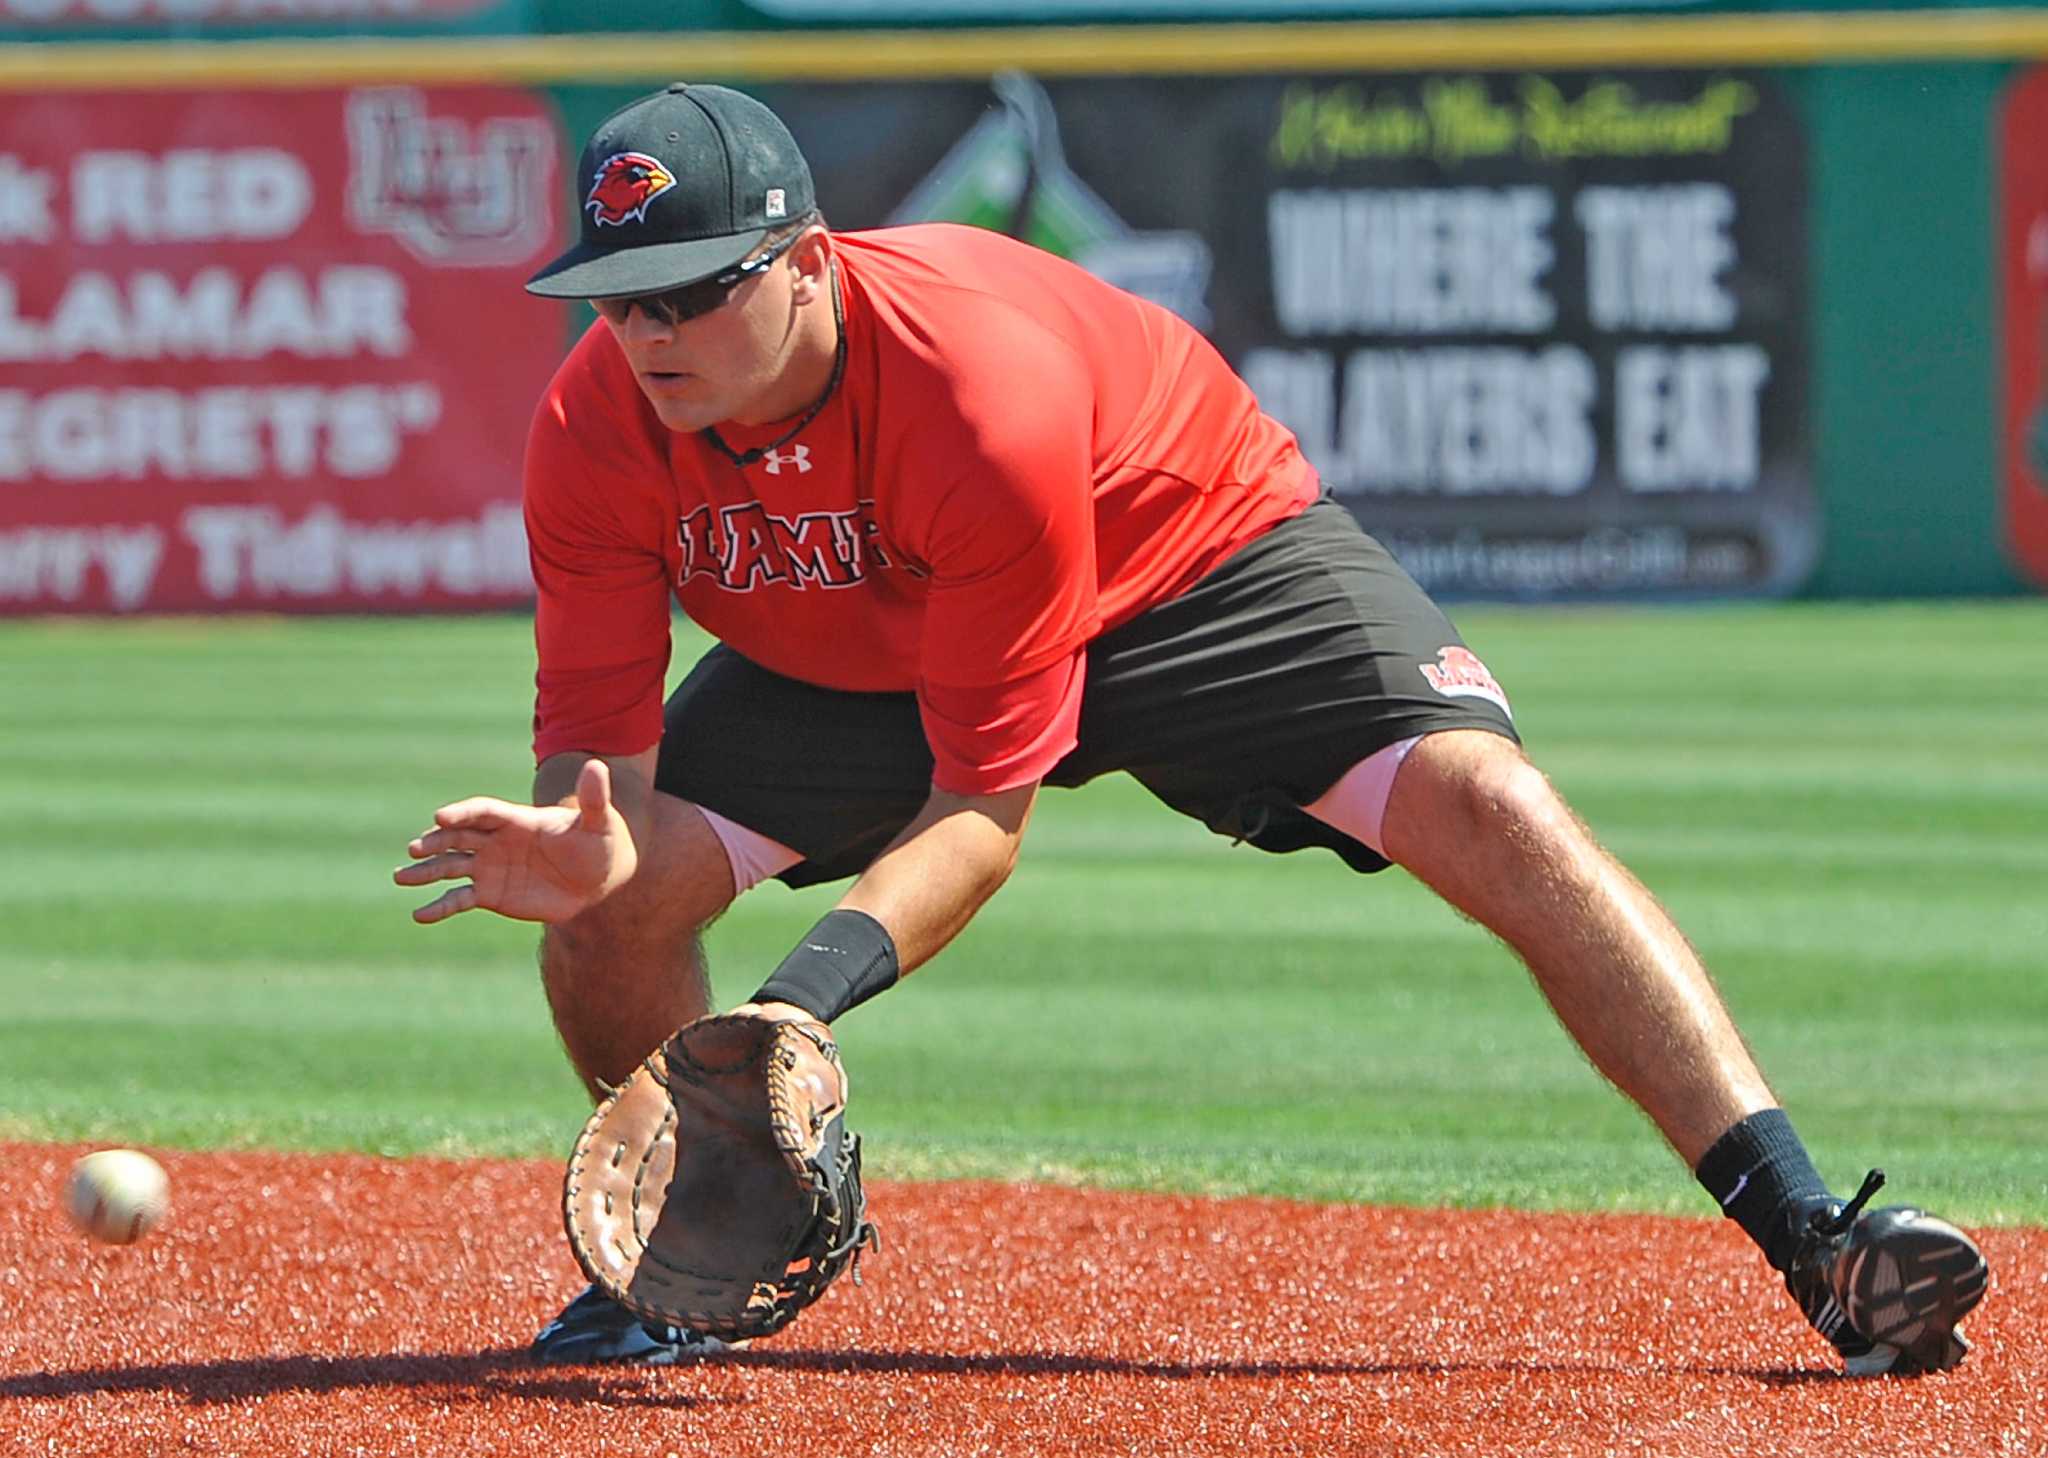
(117,1195)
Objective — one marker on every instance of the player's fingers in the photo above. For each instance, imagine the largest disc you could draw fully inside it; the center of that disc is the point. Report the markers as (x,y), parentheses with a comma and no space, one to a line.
(593,795)
(478,812)
(447,866)
(432,842)
(448,903)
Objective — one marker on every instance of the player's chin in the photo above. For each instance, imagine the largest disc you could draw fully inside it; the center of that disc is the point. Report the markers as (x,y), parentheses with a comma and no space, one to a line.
(682,401)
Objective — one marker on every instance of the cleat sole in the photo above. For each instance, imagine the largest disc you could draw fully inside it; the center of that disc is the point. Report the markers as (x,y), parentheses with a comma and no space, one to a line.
(1906,1281)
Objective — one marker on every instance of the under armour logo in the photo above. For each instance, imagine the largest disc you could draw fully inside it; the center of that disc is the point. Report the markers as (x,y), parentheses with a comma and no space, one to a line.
(800,458)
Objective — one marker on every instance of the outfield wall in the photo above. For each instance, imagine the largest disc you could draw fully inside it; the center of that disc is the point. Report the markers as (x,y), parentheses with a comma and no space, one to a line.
(1665,306)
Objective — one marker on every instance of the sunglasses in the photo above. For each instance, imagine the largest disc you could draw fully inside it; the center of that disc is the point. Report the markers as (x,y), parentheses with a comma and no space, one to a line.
(693,300)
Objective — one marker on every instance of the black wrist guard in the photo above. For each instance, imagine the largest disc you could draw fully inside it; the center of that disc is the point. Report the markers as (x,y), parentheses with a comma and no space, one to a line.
(843,961)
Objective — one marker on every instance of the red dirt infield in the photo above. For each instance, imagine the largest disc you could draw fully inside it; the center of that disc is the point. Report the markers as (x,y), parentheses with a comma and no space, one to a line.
(298,1304)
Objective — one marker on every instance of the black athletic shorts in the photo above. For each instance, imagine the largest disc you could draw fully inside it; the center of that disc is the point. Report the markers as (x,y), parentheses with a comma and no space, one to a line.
(1237,702)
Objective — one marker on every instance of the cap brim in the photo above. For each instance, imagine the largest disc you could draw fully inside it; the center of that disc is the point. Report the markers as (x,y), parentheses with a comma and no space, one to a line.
(593,271)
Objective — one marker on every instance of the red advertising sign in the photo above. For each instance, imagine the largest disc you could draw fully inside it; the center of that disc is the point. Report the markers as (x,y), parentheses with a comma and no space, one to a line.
(268,350)
(2025,249)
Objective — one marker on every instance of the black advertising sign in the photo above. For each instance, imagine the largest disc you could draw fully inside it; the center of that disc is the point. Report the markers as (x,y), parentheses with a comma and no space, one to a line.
(1543,333)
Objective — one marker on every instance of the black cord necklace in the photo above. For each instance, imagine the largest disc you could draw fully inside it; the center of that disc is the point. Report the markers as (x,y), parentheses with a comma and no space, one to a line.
(743,459)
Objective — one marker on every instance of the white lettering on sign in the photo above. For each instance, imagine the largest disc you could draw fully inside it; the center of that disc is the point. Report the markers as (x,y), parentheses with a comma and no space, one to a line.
(1414,261)
(1688,419)
(1452,421)
(55,564)
(188,196)
(341,311)
(249,551)
(25,203)
(1655,256)
(227,433)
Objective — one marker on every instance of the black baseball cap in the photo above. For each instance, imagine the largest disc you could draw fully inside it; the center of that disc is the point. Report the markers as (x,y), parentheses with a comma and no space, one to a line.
(676,187)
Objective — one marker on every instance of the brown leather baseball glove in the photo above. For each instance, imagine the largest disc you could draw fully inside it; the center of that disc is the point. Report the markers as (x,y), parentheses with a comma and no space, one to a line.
(718,1188)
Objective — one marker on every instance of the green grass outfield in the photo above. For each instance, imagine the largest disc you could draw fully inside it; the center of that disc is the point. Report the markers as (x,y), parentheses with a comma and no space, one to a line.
(1846,806)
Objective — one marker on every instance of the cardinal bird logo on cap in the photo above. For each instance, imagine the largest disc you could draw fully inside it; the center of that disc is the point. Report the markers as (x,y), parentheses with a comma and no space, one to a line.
(625,184)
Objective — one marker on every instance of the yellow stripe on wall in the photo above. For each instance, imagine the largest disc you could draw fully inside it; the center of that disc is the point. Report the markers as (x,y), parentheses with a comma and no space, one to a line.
(1385,45)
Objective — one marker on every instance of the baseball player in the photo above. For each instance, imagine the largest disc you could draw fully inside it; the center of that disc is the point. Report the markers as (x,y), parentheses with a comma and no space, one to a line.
(966,522)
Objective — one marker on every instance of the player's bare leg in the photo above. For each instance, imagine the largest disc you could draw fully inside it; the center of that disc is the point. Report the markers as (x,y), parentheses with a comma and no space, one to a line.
(625,974)
(1483,828)
(620,978)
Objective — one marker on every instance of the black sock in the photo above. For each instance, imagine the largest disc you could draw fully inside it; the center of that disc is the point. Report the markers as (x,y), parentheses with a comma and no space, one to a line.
(1764,1181)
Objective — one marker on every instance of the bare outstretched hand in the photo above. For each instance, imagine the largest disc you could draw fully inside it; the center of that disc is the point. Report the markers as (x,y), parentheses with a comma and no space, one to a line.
(529,862)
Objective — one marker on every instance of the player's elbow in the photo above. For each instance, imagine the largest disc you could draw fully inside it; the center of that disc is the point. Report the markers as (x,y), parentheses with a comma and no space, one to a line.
(993,832)
(1000,862)
(993,857)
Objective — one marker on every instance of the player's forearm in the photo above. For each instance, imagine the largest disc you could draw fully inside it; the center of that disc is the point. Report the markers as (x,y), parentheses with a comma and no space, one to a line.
(935,875)
(906,906)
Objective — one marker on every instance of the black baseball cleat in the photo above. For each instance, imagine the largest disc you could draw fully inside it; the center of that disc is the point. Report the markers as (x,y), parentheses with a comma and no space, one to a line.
(1888,1286)
(595,1328)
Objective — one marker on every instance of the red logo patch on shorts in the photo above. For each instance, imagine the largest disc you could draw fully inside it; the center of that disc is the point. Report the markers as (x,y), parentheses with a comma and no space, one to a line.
(1458,674)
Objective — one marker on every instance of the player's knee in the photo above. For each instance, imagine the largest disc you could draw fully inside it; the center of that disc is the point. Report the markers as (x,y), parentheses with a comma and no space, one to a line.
(629,925)
(1483,786)
(1514,804)
(1522,803)
(609,933)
